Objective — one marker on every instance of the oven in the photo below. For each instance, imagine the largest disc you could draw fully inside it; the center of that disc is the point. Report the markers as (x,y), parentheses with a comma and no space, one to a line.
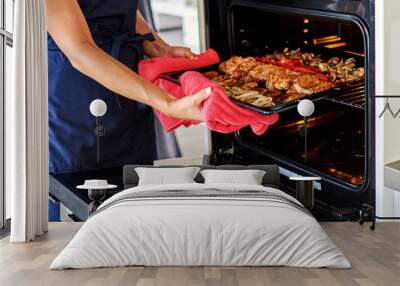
(340,133)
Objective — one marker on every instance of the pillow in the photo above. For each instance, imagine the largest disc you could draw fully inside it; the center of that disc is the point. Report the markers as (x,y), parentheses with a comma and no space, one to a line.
(165,176)
(248,177)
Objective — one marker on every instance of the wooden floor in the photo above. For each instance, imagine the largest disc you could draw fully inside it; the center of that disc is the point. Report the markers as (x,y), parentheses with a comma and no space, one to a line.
(375,257)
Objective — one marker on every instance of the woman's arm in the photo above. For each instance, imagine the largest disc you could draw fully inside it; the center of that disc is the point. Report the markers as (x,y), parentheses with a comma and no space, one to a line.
(68,27)
(159,48)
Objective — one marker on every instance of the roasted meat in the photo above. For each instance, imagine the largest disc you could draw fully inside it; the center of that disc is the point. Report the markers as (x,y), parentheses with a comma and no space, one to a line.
(237,67)
(282,77)
(308,84)
(275,78)
(211,74)
(336,69)
(344,70)
(279,78)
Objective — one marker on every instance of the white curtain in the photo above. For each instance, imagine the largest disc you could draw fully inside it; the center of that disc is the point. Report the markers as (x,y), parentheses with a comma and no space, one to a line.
(26,124)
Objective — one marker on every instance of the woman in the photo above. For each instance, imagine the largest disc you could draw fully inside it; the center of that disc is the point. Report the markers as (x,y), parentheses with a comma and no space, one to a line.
(94,48)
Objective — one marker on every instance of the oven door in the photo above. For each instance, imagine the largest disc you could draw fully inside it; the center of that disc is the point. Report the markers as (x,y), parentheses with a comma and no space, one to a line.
(339,144)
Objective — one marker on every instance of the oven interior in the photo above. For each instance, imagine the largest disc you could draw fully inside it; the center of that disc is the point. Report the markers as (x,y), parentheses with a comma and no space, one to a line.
(259,31)
(337,129)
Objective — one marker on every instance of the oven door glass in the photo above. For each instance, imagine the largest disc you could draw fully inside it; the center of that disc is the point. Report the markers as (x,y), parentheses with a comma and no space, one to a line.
(337,129)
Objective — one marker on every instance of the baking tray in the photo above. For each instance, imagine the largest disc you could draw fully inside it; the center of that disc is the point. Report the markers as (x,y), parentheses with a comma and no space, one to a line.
(174,77)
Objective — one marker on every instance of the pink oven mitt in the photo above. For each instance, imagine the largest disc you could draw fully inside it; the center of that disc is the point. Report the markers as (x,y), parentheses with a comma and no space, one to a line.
(151,69)
(222,115)
(171,123)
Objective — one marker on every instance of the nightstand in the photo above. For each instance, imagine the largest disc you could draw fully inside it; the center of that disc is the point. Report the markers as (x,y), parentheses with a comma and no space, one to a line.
(63,188)
(305,190)
(97,190)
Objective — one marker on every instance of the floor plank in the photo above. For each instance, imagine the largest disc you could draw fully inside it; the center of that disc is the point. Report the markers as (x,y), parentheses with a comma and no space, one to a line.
(375,257)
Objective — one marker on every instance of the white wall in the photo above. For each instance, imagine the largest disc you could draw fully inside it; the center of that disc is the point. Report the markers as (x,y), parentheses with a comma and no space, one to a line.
(388,83)
(392,77)
(392,132)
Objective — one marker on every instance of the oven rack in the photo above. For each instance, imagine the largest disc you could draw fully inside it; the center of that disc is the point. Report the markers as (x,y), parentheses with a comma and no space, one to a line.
(354,96)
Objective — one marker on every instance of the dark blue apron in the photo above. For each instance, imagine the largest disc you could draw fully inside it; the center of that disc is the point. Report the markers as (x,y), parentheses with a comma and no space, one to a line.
(129,126)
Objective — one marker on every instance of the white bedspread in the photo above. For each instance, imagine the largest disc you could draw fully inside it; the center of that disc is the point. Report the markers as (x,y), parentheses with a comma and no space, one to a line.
(200,231)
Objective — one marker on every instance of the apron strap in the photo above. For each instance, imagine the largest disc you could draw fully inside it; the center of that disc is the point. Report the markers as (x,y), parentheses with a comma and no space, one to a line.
(105,34)
(133,41)
(129,40)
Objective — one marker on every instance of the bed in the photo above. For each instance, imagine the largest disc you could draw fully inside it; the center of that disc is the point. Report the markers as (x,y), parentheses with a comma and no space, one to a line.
(199,224)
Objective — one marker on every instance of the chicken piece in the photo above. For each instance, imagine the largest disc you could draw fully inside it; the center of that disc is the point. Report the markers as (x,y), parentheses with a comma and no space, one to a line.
(246,79)
(263,72)
(309,84)
(220,77)
(279,81)
(262,91)
(211,74)
(274,94)
(237,67)
(229,82)
(276,78)
(216,76)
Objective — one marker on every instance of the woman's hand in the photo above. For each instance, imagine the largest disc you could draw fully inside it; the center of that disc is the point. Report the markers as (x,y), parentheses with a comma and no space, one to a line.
(189,107)
(162,50)
(178,52)
(159,48)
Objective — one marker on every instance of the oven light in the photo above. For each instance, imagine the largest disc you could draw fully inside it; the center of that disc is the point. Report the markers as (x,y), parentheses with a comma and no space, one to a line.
(354,53)
(328,39)
(306,21)
(305,31)
(335,46)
